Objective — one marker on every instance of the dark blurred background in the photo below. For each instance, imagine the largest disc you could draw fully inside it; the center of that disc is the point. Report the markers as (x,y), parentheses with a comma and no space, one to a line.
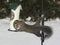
(33,8)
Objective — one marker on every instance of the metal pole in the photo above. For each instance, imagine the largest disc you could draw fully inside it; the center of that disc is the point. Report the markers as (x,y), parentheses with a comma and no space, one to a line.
(42,33)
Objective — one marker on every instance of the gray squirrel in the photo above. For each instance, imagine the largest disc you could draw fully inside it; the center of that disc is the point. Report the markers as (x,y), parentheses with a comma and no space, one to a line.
(34,29)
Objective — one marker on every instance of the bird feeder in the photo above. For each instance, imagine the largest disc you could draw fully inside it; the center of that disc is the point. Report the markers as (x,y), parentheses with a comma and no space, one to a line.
(15,13)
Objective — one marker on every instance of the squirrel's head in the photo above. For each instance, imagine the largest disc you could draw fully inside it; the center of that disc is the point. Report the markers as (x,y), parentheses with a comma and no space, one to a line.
(18,24)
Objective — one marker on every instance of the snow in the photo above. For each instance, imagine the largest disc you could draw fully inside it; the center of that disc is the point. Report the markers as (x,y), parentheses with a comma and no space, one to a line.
(23,38)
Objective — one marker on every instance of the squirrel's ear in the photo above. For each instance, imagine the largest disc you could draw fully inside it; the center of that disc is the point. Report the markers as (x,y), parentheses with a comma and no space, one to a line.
(22,20)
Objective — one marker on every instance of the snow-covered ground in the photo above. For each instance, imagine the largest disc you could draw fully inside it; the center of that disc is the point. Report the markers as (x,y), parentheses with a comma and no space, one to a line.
(23,38)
